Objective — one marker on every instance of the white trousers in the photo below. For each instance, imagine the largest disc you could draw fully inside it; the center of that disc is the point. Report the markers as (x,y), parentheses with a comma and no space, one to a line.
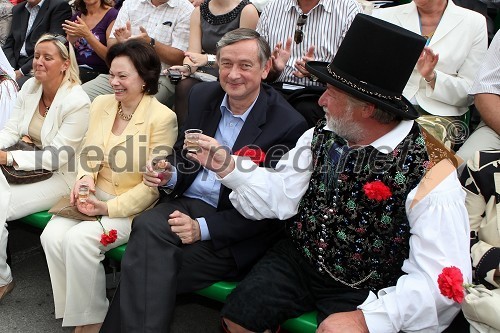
(17,201)
(74,254)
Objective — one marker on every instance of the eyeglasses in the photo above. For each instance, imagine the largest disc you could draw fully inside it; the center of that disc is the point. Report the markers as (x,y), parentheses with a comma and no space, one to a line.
(298,37)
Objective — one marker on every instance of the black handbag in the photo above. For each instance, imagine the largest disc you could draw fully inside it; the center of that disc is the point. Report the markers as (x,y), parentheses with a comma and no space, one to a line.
(19,177)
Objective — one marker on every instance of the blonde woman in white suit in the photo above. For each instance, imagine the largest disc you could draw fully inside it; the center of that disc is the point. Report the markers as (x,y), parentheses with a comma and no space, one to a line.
(52,111)
(457,41)
(125,130)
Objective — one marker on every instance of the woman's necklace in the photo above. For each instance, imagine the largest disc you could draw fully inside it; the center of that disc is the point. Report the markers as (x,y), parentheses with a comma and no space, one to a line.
(122,115)
(46,107)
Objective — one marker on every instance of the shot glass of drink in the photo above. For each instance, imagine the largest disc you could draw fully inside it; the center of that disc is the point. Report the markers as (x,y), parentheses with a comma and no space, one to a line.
(192,136)
(160,167)
(83,192)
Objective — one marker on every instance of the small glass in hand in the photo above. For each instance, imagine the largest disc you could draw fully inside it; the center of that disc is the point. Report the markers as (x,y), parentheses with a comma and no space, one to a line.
(192,136)
(83,192)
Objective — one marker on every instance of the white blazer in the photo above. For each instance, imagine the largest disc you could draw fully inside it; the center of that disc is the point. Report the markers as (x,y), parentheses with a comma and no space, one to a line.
(62,131)
(461,40)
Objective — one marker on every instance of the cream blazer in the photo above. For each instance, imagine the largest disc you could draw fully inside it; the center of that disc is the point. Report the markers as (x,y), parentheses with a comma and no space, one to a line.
(461,40)
(151,132)
(62,131)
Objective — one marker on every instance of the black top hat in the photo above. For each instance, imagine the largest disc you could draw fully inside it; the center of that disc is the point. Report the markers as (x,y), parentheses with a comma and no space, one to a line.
(374,63)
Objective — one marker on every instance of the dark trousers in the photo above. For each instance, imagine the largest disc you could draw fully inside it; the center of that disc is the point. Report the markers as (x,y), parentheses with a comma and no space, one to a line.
(157,266)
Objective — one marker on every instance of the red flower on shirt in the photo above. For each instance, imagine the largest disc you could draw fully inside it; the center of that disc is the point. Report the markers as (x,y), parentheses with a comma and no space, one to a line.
(257,155)
(377,190)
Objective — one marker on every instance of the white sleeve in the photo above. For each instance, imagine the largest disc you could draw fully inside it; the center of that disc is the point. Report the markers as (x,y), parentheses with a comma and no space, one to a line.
(439,238)
(260,193)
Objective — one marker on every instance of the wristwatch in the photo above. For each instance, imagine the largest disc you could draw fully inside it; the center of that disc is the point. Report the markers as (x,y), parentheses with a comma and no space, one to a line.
(211,58)
(152,42)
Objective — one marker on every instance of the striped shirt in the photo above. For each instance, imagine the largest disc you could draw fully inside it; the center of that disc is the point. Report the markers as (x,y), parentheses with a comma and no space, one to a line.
(325,28)
(168,23)
(488,78)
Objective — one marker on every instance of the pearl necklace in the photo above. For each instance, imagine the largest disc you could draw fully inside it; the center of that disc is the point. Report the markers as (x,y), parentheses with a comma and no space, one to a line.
(122,115)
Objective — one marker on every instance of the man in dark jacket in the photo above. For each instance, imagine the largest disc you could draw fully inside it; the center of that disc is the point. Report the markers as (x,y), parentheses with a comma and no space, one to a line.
(195,237)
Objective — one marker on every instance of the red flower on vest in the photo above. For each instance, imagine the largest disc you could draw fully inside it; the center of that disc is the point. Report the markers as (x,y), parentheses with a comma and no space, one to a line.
(377,190)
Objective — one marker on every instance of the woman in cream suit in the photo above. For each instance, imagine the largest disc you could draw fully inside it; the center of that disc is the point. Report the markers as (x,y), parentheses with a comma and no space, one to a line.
(457,41)
(51,110)
(125,130)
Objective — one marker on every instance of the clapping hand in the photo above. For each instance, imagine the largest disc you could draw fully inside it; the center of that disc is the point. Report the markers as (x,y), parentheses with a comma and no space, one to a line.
(426,63)
(123,33)
(300,64)
(77,29)
(280,55)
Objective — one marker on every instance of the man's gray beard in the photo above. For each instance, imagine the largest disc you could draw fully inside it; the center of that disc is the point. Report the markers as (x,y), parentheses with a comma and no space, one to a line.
(345,126)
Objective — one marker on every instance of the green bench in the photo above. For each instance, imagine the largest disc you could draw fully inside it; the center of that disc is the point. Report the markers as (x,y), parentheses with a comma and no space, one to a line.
(218,291)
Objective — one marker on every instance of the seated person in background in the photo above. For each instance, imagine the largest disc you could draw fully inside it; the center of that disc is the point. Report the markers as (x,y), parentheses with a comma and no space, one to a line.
(481,181)
(52,111)
(133,121)
(5,19)
(301,31)
(456,44)
(374,203)
(31,19)
(209,23)
(486,92)
(88,31)
(164,25)
(194,236)
(8,89)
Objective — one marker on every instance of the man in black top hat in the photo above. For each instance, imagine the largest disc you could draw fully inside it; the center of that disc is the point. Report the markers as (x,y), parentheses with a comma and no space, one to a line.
(370,229)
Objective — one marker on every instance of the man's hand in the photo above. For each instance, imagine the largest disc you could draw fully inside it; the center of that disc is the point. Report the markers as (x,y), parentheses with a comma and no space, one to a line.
(143,35)
(213,156)
(300,64)
(280,55)
(185,227)
(344,322)
(123,33)
(153,178)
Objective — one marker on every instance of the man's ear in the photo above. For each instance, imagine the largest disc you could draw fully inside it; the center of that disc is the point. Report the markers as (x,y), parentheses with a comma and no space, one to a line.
(266,69)
(368,110)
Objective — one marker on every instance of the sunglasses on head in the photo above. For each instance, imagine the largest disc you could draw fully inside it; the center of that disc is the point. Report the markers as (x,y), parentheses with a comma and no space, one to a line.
(59,38)
(298,37)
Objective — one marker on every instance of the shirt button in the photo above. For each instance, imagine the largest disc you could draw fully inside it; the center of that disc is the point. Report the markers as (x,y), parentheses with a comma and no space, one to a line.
(116,184)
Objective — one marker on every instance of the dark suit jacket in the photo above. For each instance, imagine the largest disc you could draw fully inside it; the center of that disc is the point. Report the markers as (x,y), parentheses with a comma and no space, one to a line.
(49,19)
(274,126)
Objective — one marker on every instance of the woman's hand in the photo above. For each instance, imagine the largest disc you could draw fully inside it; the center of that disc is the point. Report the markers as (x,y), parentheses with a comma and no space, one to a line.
(92,207)
(73,199)
(184,70)
(78,28)
(197,59)
(427,63)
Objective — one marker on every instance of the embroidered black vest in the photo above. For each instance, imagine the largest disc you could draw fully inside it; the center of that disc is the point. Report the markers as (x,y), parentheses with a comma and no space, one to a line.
(358,241)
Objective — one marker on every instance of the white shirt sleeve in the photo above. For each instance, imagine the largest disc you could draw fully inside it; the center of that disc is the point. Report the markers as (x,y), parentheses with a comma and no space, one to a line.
(289,181)
(439,238)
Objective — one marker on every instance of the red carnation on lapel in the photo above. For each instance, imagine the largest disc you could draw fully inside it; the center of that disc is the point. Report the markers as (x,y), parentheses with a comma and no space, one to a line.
(257,155)
(377,190)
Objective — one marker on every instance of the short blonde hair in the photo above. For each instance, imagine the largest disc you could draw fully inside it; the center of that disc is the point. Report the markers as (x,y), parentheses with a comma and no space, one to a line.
(66,52)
